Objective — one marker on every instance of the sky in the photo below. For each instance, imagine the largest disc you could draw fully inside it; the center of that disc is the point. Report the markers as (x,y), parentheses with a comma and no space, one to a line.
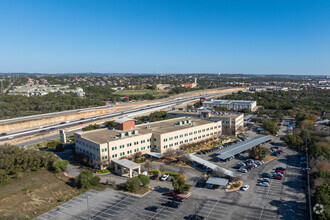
(164,36)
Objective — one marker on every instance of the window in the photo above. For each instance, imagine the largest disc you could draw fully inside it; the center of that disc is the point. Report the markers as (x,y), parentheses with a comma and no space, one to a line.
(190,133)
(181,135)
(207,129)
(129,144)
(186,134)
(165,139)
(199,131)
(195,138)
(203,130)
(176,143)
(128,152)
(181,142)
(176,137)
(203,136)
(143,141)
(102,150)
(195,132)
(105,149)
(186,141)
(105,157)
(190,139)
(154,139)
(171,138)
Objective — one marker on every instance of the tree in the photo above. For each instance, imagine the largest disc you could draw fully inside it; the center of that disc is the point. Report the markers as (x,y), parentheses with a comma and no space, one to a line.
(219,173)
(91,127)
(60,165)
(110,124)
(86,179)
(133,184)
(170,154)
(293,140)
(148,165)
(270,126)
(145,180)
(162,168)
(181,171)
(179,185)
(258,152)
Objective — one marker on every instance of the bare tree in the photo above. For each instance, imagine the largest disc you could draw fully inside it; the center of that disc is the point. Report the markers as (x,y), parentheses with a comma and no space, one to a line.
(170,154)
(162,168)
(148,165)
(183,158)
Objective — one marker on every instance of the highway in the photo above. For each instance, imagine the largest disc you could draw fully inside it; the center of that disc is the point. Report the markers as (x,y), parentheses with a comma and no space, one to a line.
(127,113)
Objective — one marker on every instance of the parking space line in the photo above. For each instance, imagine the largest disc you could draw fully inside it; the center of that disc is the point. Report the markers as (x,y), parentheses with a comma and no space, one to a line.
(112,206)
(212,209)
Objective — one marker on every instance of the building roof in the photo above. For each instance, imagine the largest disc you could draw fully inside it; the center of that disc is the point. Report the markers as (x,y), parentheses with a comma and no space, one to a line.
(126,163)
(210,165)
(155,154)
(122,120)
(243,146)
(248,117)
(228,102)
(105,135)
(217,181)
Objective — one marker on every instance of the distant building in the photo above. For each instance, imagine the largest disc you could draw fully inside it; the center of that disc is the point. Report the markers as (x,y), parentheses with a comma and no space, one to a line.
(163,86)
(104,145)
(235,105)
(232,123)
(189,85)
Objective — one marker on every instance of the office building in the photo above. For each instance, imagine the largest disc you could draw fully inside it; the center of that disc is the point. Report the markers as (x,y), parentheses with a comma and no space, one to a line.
(104,145)
(235,105)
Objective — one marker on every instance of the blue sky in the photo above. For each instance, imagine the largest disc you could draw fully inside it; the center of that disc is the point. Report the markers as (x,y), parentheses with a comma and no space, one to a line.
(234,36)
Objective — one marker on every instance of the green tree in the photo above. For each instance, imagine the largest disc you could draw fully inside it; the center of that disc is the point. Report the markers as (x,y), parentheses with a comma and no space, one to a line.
(110,124)
(145,180)
(293,140)
(133,184)
(270,126)
(91,127)
(86,179)
(51,145)
(258,152)
(60,165)
(179,185)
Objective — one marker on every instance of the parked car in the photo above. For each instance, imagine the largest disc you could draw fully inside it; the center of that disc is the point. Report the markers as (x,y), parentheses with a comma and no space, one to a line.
(255,165)
(164,177)
(242,170)
(244,188)
(266,175)
(279,174)
(151,208)
(279,168)
(279,171)
(170,193)
(81,123)
(170,178)
(264,184)
(154,177)
(195,217)
(172,204)
(303,158)
(178,198)
(3,134)
(51,129)
(258,163)
(277,177)
(264,180)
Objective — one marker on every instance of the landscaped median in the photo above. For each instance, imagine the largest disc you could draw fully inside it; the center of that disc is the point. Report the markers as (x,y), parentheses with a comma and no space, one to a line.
(234,186)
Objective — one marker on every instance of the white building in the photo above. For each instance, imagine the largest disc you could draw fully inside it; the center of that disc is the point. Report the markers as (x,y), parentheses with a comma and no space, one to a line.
(235,105)
(104,145)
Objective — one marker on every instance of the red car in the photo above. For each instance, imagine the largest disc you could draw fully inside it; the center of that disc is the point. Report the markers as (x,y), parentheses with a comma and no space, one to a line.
(277,177)
(279,171)
(178,198)
(171,193)
(81,123)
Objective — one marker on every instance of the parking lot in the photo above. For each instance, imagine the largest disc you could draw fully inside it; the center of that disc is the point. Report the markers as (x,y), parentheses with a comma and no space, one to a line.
(283,199)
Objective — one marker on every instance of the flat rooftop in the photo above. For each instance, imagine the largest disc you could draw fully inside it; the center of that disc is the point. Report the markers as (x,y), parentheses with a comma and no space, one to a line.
(243,146)
(197,113)
(101,136)
(230,102)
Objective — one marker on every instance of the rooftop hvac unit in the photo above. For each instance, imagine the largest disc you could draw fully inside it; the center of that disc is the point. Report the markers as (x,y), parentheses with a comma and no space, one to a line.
(189,121)
(122,134)
(136,131)
(183,122)
(129,133)
(179,122)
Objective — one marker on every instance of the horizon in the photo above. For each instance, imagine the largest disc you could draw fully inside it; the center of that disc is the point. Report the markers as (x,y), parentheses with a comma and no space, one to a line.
(172,37)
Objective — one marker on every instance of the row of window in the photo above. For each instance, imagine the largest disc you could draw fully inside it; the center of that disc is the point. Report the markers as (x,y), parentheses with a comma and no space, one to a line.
(189,140)
(190,133)
(130,151)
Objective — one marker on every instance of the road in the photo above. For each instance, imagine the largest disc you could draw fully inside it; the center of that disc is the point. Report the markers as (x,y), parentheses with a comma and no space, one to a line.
(127,113)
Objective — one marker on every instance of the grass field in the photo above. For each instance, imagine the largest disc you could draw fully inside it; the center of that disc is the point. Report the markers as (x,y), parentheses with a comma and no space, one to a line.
(140,92)
(33,194)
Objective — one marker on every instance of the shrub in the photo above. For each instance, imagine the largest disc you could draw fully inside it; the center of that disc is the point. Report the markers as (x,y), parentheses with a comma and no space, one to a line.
(86,179)
(60,165)
(144,179)
(133,184)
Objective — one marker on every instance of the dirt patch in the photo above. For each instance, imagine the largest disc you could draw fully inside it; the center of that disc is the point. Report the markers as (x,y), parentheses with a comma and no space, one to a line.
(269,158)
(33,194)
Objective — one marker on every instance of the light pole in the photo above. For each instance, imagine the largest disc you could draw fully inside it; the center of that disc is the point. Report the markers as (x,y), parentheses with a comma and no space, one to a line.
(309,189)
(89,217)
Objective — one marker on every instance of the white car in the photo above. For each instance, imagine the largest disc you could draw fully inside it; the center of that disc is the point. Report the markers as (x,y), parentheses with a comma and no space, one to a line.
(259,162)
(279,174)
(242,170)
(264,180)
(164,177)
(265,184)
(245,187)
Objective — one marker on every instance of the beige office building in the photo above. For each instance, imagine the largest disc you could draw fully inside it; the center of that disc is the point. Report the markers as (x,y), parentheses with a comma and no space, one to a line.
(104,145)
